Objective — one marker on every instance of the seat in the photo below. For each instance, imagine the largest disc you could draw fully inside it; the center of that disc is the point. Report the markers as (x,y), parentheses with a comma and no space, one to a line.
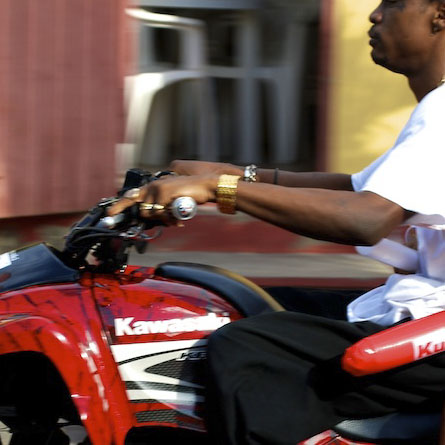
(397,428)
(243,294)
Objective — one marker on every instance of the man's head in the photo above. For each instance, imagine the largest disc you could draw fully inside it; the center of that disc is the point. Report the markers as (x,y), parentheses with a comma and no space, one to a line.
(408,36)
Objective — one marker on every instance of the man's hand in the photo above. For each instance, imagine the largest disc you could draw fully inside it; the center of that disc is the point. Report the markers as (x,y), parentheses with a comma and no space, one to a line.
(163,192)
(191,168)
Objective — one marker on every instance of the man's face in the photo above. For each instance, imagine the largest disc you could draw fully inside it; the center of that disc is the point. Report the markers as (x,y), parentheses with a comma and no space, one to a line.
(401,35)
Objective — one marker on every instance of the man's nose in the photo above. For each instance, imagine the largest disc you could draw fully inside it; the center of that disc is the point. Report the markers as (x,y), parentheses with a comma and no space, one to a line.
(376,15)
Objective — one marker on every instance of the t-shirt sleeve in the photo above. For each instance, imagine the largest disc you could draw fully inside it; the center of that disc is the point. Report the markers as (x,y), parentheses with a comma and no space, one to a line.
(359,179)
(412,173)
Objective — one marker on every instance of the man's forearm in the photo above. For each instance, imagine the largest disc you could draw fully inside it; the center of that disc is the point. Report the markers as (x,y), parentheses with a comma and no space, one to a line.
(331,181)
(333,215)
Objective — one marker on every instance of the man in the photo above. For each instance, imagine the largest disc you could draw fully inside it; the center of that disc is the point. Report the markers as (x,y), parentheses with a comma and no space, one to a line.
(276,379)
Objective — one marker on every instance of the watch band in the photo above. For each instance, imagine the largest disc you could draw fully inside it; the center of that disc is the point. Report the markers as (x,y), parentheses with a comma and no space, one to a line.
(226,193)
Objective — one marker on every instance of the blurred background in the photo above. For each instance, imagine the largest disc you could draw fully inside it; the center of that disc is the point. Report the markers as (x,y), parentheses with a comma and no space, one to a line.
(91,88)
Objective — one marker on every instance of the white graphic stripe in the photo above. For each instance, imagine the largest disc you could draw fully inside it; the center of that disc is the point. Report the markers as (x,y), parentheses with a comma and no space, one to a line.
(134,371)
(133,350)
(164,396)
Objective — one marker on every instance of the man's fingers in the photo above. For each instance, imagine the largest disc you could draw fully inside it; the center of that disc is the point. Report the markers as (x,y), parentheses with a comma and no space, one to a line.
(134,194)
(120,206)
(130,197)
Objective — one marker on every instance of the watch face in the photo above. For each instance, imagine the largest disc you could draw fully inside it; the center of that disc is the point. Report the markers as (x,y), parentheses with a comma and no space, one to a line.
(250,173)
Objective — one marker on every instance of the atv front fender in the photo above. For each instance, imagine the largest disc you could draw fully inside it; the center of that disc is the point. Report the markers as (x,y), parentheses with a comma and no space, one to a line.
(74,361)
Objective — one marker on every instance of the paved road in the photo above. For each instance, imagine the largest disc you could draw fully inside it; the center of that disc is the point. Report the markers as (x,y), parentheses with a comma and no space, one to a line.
(259,251)
(276,265)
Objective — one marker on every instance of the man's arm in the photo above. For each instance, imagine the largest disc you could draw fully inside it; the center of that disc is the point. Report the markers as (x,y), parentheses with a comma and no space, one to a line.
(357,218)
(332,181)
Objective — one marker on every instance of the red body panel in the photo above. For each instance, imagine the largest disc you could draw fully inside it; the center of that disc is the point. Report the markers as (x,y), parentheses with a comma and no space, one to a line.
(165,320)
(396,346)
(74,326)
(330,438)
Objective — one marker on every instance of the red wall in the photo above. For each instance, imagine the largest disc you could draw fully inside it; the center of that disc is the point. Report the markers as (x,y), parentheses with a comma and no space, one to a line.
(61,76)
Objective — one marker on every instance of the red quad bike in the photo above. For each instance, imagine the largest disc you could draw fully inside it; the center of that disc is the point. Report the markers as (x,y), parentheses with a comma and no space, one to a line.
(93,351)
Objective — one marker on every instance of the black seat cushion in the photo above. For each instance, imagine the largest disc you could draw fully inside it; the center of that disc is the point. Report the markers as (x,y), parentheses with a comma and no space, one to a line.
(245,296)
(398,428)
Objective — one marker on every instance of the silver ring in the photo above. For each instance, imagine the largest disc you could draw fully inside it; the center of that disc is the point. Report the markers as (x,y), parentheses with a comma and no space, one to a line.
(150,207)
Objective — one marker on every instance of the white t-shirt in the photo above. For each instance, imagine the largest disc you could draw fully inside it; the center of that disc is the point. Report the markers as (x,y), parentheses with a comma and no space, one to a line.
(411,174)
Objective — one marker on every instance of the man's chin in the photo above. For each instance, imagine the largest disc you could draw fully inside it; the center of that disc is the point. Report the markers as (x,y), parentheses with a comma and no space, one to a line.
(381,60)
(385,63)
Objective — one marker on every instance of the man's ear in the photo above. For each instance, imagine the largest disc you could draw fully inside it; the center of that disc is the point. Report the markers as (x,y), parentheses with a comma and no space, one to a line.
(439,18)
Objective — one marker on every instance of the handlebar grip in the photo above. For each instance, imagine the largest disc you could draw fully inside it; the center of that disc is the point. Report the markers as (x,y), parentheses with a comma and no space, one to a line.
(184,208)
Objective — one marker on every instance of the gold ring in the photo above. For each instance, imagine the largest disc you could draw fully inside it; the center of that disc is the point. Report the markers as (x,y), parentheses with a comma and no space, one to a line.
(151,207)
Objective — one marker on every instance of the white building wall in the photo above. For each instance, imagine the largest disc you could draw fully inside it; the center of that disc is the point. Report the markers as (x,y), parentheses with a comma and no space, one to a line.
(227,80)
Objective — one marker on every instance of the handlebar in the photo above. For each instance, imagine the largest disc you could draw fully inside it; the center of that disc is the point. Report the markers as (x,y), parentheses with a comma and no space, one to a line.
(108,238)
(182,209)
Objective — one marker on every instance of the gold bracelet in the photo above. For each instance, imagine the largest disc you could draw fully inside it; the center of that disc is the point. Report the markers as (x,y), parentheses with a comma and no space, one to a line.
(226,193)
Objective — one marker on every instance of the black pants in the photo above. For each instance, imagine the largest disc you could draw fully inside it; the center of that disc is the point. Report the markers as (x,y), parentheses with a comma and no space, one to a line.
(277,379)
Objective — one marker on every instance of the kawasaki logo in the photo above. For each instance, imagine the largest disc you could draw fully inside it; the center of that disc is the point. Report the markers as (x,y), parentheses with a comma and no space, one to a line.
(429,349)
(209,322)
(429,344)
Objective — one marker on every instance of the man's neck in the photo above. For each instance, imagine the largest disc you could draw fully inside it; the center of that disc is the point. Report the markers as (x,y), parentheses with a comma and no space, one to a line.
(430,76)
(422,85)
